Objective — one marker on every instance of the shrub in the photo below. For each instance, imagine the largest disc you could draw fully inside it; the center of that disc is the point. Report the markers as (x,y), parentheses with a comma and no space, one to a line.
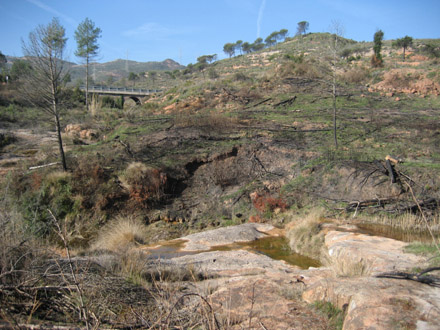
(212,74)
(144,184)
(355,75)
(6,139)
(52,192)
(111,102)
(266,204)
(240,76)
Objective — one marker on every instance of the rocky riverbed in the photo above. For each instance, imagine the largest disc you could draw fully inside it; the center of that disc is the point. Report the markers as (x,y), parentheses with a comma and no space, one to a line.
(252,290)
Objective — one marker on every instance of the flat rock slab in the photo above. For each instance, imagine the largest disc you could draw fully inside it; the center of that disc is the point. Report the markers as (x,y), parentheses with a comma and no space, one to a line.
(228,263)
(378,254)
(264,302)
(227,235)
(378,303)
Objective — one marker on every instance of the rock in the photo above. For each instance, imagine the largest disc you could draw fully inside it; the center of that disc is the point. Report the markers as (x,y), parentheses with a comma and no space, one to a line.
(228,263)
(222,236)
(378,254)
(379,303)
(372,302)
(245,287)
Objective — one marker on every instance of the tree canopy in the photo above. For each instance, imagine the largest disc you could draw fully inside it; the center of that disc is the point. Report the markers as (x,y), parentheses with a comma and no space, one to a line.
(302,27)
(86,36)
(229,49)
(404,43)
(3,60)
(377,57)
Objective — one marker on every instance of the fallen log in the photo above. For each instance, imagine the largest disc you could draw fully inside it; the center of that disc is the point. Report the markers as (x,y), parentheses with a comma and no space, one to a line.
(289,101)
(391,171)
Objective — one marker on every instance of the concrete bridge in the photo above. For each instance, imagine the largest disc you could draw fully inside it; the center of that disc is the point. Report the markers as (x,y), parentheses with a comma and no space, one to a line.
(134,93)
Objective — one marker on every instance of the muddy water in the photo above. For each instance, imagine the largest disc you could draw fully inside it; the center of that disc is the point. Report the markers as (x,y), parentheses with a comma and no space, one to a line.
(395,233)
(275,247)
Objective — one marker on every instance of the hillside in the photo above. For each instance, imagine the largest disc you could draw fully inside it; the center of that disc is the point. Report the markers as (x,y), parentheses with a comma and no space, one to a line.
(302,140)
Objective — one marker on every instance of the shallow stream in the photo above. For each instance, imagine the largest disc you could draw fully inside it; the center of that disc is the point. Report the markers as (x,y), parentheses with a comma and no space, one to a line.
(275,247)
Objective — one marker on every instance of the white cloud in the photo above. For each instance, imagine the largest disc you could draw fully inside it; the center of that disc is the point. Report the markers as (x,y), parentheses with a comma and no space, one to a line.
(153,31)
(260,18)
(51,10)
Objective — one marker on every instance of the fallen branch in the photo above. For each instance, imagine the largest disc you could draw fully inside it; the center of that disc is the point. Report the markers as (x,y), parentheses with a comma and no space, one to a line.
(258,103)
(417,277)
(289,101)
(355,205)
(45,165)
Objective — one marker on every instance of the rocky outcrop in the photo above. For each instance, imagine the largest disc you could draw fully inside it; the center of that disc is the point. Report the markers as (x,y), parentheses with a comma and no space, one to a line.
(252,290)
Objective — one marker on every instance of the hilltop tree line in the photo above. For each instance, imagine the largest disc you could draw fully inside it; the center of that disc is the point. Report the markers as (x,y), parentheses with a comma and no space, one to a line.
(231,49)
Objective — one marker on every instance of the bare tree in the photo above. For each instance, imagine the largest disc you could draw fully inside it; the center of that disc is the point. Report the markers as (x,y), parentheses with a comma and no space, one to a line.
(337,30)
(43,86)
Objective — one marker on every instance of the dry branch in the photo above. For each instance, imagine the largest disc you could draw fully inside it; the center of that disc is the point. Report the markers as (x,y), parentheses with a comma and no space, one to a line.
(418,277)
(289,101)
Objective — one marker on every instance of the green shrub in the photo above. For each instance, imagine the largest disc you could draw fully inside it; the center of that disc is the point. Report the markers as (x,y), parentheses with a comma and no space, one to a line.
(54,193)
(111,102)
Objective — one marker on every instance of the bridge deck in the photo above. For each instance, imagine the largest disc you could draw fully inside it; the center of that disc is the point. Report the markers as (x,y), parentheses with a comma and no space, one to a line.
(120,90)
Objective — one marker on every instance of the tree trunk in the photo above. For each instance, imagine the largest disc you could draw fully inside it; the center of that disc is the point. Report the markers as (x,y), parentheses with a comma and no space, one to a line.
(403,54)
(60,142)
(87,84)
(335,137)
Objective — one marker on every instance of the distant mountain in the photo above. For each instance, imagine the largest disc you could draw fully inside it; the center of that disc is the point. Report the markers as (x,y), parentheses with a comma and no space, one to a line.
(117,69)
(121,68)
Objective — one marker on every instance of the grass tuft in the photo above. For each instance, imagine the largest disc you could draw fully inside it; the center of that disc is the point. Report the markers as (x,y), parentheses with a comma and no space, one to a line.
(305,234)
(120,234)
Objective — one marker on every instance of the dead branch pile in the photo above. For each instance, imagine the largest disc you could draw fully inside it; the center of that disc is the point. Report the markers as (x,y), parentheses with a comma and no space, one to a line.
(401,203)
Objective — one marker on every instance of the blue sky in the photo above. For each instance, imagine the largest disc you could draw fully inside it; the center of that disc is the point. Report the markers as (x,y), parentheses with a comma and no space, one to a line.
(153,30)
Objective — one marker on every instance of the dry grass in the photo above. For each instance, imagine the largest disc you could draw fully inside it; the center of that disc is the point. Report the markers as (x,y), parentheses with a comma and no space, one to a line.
(211,122)
(305,234)
(344,267)
(408,222)
(355,75)
(121,233)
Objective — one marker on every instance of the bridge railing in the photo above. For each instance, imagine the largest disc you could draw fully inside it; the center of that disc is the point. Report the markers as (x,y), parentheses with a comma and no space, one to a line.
(105,89)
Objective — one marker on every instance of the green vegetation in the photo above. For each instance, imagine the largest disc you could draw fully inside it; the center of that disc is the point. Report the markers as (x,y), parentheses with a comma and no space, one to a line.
(377,60)
(403,43)
(335,315)
(86,36)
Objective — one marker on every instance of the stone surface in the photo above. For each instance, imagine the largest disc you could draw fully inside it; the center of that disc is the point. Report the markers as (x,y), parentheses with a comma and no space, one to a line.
(379,254)
(250,290)
(227,235)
